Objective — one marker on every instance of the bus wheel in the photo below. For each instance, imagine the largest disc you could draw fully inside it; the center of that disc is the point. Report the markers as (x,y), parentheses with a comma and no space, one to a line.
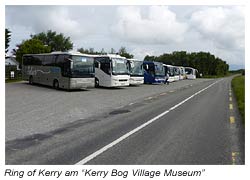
(31,80)
(96,82)
(56,84)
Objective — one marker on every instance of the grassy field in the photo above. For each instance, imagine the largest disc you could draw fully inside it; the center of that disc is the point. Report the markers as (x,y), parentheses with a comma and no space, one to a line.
(238,86)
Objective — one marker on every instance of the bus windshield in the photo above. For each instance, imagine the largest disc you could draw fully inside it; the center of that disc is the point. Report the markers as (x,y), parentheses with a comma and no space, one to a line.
(171,71)
(136,67)
(159,69)
(176,71)
(119,66)
(82,65)
(189,71)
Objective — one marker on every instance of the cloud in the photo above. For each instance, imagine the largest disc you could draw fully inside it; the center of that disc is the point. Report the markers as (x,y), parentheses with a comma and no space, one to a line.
(141,52)
(158,26)
(61,21)
(143,30)
(224,26)
(43,18)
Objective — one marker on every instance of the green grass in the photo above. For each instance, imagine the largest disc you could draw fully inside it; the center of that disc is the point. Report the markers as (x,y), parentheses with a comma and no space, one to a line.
(238,86)
(12,80)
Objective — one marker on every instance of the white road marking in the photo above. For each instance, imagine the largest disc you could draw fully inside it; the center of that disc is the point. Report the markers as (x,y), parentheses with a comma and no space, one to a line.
(105,148)
(232,119)
(148,98)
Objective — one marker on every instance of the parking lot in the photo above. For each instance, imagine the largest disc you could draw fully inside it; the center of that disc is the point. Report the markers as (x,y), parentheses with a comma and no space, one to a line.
(34,109)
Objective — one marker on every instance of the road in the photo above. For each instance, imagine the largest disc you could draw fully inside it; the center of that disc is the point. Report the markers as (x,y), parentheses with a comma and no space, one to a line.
(184,123)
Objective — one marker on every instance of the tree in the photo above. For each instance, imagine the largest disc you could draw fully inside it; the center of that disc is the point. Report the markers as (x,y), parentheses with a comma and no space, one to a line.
(7,39)
(206,63)
(112,51)
(82,50)
(103,51)
(123,52)
(90,51)
(31,46)
(149,58)
(57,42)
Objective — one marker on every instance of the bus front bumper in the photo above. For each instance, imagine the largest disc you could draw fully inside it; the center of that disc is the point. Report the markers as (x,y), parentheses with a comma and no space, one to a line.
(82,83)
(136,81)
(119,82)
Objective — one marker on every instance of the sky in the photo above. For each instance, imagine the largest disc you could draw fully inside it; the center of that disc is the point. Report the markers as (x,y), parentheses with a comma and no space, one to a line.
(143,30)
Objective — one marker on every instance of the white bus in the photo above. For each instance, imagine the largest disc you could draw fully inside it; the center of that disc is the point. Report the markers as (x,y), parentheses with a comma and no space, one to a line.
(111,71)
(136,73)
(59,69)
(169,69)
(190,72)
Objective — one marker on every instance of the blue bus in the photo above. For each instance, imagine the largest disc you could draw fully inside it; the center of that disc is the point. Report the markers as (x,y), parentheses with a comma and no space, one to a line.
(154,72)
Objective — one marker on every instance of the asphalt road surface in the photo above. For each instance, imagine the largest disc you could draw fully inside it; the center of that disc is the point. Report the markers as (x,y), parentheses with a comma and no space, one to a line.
(187,122)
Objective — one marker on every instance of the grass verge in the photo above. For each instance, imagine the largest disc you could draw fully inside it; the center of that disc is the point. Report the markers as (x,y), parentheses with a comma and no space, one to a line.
(12,80)
(238,86)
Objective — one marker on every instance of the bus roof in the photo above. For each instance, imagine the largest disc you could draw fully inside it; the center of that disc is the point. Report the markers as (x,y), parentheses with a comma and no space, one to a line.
(189,68)
(134,59)
(110,56)
(60,53)
(168,65)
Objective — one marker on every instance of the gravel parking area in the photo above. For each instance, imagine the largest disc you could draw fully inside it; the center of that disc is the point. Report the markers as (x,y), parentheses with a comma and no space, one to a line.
(33,109)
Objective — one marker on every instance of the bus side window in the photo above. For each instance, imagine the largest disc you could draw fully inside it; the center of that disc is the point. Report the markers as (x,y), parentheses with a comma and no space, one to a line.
(49,60)
(27,60)
(96,64)
(36,60)
(63,63)
(105,65)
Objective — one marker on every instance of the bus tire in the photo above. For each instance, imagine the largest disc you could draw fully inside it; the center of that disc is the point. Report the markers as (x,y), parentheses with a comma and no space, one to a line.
(96,82)
(56,84)
(31,80)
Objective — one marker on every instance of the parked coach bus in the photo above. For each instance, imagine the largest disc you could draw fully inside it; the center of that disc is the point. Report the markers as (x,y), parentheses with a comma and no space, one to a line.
(169,69)
(59,69)
(111,71)
(191,72)
(135,68)
(154,72)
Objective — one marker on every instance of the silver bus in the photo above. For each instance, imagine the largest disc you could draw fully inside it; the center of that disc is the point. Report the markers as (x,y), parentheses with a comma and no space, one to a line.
(111,71)
(136,73)
(59,69)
